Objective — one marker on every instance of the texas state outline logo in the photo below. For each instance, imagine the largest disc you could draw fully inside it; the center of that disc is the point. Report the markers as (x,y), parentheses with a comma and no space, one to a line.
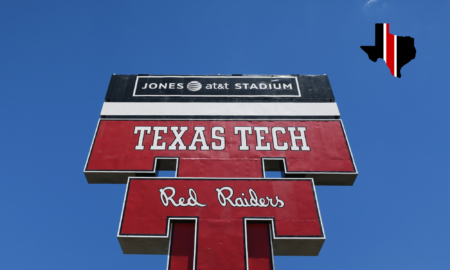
(395,50)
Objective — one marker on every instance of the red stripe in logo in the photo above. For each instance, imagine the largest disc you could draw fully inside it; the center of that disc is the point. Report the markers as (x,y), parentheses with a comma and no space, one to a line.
(390,50)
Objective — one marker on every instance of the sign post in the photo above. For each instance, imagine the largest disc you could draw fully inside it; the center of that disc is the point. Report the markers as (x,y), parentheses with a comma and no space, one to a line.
(222,137)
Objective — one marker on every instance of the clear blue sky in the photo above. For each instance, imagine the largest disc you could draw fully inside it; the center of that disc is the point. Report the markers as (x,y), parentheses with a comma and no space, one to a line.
(56,60)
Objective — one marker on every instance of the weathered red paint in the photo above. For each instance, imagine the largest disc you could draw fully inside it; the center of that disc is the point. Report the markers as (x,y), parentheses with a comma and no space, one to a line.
(259,246)
(220,239)
(114,148)
(182,246)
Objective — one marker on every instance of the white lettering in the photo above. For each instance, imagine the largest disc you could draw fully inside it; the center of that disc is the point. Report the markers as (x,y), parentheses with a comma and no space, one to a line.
(260,138)
(155,145)
(192,200)
(275,139)
(302,137)
(222,199)
(243,131)
(243,202)
(199,137)
(141,130)
(178,139)
(220,138)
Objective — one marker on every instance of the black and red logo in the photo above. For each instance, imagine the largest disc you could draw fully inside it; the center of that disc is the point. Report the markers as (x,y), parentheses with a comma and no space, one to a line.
(395,50)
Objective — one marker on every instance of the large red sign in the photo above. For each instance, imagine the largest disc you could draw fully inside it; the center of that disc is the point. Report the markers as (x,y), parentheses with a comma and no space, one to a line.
(242,187)
(221,210)
(221,148)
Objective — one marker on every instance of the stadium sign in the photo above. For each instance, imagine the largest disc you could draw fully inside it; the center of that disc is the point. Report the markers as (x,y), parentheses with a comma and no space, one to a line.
(216,86)
(244,154)
(233,88)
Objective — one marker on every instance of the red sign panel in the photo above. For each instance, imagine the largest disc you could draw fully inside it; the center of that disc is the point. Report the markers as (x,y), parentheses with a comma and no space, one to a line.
(221,209)
(221,148)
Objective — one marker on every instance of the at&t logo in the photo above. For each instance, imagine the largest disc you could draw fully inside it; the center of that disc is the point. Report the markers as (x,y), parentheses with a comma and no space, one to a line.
(194,86)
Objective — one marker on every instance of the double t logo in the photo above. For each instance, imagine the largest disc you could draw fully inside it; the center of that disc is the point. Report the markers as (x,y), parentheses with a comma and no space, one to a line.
(221,223)
(220,212)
